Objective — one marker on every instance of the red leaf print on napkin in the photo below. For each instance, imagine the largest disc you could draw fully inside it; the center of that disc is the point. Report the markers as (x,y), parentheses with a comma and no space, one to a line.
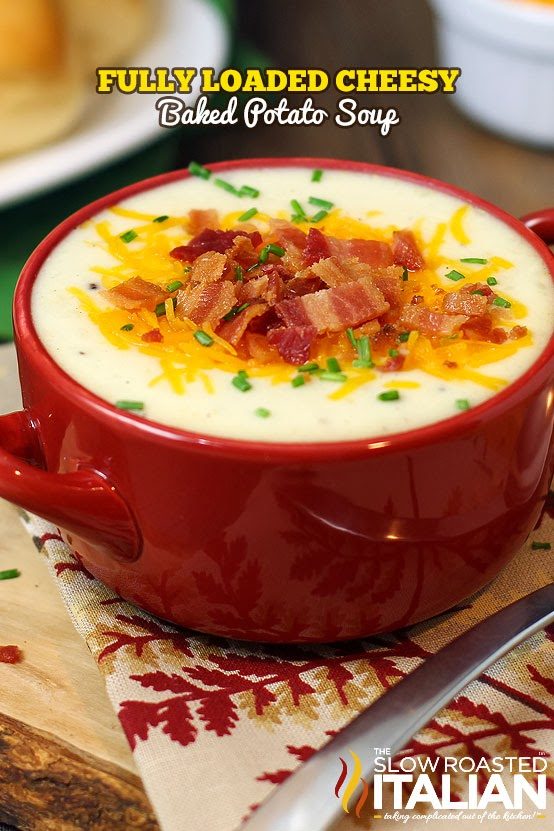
(174,714)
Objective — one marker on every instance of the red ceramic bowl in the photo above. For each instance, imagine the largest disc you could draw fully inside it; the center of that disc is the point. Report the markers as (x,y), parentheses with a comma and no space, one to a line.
(280,542)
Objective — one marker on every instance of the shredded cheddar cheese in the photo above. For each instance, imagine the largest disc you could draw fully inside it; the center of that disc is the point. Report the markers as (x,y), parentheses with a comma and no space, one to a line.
(182,359)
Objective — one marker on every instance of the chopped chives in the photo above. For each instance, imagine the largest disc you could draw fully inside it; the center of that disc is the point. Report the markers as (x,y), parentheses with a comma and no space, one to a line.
(352,337)
(128,327)
(317,175)
(500,301)
(389,395)
(272,248)
(463,404)
(363,347)
(338,377)
(319,216)
(10,573)
(404,275)
(477,260)
(321,203)
(297,208)
(203,338)
(478,291)
(393,353)
(129,405)
(162,218)
(174,285)
(333,365)
(199,170)
(492,281)
(455,275)
(128,236)
(246,190)
(239,274)
(298,381)
(187,269)
(241,382)
(537,546)
(248,215)
(221,183)
(403,337)
(236,310)
(311,367)
(361,363)
(262,412)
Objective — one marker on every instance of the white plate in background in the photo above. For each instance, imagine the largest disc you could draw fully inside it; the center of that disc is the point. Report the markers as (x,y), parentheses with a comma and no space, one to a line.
(191,33)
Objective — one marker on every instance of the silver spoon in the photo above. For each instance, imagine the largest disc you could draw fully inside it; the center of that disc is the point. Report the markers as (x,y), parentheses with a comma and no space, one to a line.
(307,799)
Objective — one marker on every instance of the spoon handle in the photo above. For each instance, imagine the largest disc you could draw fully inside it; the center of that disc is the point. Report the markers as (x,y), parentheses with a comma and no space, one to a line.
(307,798)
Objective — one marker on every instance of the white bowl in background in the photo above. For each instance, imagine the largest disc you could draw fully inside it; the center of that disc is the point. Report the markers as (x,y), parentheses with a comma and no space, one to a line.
(505,49)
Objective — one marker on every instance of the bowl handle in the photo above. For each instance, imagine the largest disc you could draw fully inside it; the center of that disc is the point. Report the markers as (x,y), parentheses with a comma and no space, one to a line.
(82,502)
(542,223)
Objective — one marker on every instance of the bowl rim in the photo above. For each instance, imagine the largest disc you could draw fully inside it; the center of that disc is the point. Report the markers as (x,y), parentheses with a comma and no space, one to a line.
(28,342)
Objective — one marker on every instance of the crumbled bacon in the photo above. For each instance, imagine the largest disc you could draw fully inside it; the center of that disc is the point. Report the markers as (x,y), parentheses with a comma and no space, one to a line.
(10,654)
(210,240)
(198,221)
(313,291)
(405,251)
(153,336)
(464,302)
(334,272)
(208,267)
(432,324)
(316,247)
(293,342)
(233,330)
(393,363)
(206,303)
(333,310)
(369,251)
(136,293)
(268,287)
(518,332)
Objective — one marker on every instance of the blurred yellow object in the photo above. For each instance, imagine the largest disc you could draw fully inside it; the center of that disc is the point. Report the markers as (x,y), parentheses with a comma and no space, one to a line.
(108,30)
(48,50)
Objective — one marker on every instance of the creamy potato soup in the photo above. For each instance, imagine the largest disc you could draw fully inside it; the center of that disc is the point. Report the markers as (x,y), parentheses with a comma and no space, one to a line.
(293,305)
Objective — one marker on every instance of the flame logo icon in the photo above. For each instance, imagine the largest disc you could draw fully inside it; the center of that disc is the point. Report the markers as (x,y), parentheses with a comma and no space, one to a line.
(351,785)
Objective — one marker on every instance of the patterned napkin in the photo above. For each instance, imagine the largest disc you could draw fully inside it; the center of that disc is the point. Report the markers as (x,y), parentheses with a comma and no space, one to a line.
(215,725)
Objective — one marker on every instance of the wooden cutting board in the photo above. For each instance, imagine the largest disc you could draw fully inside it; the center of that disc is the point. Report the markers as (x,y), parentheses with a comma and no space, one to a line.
(64,762)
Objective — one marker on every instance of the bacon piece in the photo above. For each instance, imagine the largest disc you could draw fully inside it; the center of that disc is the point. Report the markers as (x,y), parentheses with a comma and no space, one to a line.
(233,330)
(242,253)
(206,303)
(371,328)
(393,364)
(210,240)
(333,310)
(293,240)
(268,287)
(293,342)
(198,221)
(299,286)
(335,273)
(518,332)
(369,251)
(208,267)
(464,303)
(153,336)
(10,654)
(388,281)
(432,324)
(316,247)
(405,251)
(136,293)
(498,335)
